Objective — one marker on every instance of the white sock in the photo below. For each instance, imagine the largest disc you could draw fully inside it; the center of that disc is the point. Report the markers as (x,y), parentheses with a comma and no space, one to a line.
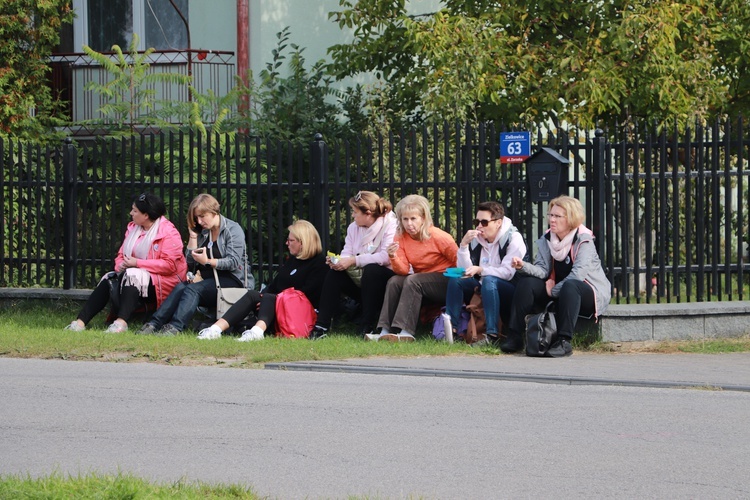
(406,333)
(215,329)
(257,330)
(384,331)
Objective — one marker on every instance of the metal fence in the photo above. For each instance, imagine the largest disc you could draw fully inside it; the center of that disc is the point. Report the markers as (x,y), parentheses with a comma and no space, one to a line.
(667,208)
(208,69)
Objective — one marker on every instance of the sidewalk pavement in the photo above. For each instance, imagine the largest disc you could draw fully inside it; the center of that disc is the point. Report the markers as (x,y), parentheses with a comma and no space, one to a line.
(730,371)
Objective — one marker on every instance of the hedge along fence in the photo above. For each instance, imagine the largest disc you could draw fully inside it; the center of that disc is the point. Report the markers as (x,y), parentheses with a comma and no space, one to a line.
(668,208)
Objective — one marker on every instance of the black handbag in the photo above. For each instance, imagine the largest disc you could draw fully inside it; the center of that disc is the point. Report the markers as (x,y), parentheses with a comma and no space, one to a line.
(541,332)
(113,280)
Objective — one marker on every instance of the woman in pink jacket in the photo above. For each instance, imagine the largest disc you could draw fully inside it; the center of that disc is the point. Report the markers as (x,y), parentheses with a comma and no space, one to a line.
(148,265)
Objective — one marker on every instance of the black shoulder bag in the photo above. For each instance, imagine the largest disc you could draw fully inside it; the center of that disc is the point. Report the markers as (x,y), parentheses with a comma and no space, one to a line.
(541,331)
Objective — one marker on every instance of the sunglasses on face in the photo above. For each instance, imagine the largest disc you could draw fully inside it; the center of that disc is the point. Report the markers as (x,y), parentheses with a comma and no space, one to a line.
(482,222)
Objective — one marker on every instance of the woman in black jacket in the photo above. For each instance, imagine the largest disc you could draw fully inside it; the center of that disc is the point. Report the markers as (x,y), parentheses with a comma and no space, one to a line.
(305,270)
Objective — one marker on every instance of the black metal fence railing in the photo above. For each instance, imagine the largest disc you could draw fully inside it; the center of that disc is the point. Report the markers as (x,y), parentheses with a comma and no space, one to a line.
(208,69)
(668,209)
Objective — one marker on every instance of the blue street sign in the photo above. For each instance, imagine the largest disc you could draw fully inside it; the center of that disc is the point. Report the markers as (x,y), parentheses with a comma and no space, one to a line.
(515,147)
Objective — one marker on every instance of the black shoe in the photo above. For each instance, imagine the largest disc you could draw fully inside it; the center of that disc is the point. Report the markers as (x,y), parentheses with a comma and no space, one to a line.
(317,333)
(560,349)
(167,330)
(147,329)
(511,344)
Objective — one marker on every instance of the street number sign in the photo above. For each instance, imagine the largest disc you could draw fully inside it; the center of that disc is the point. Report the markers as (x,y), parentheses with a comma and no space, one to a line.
(515,147)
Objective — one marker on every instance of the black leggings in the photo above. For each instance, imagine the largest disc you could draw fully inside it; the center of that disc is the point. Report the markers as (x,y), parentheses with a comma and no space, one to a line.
(129,300)
(266,312)
(576,298)
(374,280)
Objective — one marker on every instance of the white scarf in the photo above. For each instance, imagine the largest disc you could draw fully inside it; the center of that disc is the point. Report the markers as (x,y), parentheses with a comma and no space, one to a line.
(140,251)
(561,248)
(369,235)
(139,278)
(368,242)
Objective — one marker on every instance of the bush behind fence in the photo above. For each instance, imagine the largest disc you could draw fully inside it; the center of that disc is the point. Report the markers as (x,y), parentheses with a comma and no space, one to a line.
(668,209)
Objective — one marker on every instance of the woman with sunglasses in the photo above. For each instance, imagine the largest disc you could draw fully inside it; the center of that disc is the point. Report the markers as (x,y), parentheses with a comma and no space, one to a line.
(420,254)
(215,242)
(486,253)
(148,265)
(567,270)
(367,238)
(304,270)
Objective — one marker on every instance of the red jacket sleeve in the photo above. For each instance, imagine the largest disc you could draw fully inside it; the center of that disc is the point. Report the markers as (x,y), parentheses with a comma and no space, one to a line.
(165,253)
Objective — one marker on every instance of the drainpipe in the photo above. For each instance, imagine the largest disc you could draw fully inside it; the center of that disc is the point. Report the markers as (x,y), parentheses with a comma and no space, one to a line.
(243,48)
(189,47)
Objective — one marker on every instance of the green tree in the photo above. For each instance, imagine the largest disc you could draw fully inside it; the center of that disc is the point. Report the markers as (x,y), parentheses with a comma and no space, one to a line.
(128,96)
(535,59)
(29,29)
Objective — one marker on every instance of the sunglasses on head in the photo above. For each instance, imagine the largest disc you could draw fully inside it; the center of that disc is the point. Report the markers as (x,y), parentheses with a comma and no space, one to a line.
(358,196)
(483,222)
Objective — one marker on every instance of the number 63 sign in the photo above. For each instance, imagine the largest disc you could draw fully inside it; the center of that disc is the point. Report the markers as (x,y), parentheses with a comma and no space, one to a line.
(515,147)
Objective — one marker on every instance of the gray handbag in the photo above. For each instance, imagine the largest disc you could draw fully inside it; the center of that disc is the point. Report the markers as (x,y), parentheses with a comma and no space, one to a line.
(227,297)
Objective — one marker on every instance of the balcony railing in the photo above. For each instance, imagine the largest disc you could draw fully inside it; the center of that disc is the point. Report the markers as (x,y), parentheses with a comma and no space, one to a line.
(210,69)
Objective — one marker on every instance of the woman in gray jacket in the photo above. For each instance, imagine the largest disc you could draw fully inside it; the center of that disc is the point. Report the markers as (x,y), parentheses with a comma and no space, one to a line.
(567,270)
(215,243)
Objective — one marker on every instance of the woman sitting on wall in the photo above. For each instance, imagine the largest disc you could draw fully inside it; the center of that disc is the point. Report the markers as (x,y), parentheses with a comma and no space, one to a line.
(305,271)
(148,266)
(215,242)
(420,254)
(486,253)
(567,270)
(364,253)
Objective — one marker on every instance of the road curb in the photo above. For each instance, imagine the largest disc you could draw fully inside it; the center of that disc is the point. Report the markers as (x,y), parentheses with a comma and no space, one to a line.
(502,376)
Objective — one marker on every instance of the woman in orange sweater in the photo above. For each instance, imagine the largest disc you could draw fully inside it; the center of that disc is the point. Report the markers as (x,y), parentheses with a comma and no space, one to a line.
(420,254)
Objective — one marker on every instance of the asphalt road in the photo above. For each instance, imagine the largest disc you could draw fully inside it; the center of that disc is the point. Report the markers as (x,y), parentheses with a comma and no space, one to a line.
(330,435)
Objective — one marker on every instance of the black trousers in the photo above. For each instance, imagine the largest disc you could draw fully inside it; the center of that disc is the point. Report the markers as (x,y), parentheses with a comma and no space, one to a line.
(374,280)
(129,300)
(266,312)
(576,298)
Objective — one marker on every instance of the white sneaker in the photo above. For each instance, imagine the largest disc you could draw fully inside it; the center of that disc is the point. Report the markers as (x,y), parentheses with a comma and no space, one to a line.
(116,328)
(447,328)
(374,337)
(398,337)
(250,335)
(75,327)
(211,333)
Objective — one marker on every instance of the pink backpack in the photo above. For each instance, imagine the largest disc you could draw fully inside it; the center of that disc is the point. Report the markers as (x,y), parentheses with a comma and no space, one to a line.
(295,316)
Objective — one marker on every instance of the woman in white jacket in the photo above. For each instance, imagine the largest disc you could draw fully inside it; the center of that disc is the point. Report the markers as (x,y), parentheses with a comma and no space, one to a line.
(486,253)
(367,238)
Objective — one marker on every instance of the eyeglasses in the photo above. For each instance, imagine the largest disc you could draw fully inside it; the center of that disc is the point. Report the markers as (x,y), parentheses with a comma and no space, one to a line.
(483,222)
(358,196)
(555,216)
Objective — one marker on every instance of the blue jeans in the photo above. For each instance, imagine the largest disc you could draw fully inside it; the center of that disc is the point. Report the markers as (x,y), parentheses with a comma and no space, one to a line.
(180,306)
(497,295)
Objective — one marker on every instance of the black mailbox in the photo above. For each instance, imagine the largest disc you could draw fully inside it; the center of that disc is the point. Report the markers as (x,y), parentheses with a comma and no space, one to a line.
(547,177)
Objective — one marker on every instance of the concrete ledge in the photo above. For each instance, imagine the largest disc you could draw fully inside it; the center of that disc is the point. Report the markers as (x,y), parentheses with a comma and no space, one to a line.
(44,293)
(685,321)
